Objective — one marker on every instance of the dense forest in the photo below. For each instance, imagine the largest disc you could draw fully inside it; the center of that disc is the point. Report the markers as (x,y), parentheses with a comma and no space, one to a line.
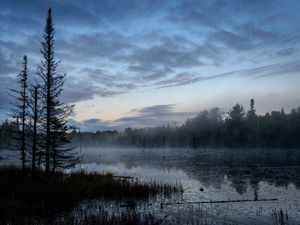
(210,128)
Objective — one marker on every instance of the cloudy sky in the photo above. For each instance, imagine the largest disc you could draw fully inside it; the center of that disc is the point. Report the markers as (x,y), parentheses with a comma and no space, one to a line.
(149,62)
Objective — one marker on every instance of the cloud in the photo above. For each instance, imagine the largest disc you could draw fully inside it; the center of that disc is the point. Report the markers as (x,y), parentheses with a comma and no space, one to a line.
(6,83)
(218,12)
(155,115)
(67,12)
(171,55)
(101,45)
(97,83)
(97,125)
(179,79)
(287,51)
(104,78)
(276,69)
(6,65)
(246,37)
(76,92)
(94,125)
(110,48)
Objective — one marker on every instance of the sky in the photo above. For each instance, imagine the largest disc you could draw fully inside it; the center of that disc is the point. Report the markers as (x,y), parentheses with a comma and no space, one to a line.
(153,62)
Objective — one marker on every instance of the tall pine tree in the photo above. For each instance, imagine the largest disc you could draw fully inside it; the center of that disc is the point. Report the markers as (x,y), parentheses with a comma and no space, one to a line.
(20,109)
(34,117)
(58,154)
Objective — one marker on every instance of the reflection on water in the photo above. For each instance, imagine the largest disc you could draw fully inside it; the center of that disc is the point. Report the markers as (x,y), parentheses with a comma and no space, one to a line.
(223,174)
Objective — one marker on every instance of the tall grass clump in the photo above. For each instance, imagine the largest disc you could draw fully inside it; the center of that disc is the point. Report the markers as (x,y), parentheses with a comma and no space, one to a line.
(26,195)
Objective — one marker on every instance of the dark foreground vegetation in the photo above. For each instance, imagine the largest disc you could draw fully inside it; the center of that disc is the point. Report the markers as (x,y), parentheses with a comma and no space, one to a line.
(39,191)
(238,128)
(35,197)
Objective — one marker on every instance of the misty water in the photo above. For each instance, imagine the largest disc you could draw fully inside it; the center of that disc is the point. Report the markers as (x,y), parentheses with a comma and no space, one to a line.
(224,174)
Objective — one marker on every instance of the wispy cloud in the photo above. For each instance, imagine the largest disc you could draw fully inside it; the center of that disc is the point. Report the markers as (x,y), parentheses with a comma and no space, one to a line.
(278,69)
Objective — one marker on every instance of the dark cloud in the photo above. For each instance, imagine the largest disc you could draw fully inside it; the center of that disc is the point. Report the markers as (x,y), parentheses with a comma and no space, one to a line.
(6,83)
(232,40)
(97,125)
(154,116)
(219,12)
(196,12)
(157,62)
(95,83)
(171,55)
(158,110)
(160,60)
(287,51)
(11,54)
(67,12)
(241,25)
(6,65)
(104,78)
(104,45)
(76,91)
(244,38)
(93,125)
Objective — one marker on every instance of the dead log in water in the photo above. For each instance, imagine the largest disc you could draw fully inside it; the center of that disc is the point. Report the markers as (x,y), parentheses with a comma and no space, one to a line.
(123,177)
(221,201)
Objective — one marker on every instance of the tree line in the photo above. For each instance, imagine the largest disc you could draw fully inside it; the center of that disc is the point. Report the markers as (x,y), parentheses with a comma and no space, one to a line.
(40,129)
(211,128)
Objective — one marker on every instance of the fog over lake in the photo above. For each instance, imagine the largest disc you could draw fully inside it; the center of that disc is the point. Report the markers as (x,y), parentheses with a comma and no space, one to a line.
(221,174)
(224,174)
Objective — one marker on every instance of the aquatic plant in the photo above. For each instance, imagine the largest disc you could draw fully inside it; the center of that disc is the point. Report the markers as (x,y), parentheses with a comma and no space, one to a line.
(26,195)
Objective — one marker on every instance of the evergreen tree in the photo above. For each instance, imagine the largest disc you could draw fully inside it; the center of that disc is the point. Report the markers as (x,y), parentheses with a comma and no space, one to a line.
(35,114)
(237,113)
(251,112)
(235,129)
(21,107)
(55,114)
(252,125)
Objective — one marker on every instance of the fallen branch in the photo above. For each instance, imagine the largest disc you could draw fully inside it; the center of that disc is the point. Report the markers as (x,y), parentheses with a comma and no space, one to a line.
(123,177)
(223,201)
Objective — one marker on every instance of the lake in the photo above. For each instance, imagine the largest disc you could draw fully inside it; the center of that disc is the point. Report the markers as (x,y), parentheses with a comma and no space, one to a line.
(223,174)
(210,175)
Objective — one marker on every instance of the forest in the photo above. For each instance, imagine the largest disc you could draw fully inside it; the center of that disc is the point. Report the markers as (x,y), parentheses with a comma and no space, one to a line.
(210,128)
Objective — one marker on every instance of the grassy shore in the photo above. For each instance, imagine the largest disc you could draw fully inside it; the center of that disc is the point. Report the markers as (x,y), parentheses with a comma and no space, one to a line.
(24,195)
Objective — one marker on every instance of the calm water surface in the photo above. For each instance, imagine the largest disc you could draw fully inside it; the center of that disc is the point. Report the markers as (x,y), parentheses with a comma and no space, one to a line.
(224,174)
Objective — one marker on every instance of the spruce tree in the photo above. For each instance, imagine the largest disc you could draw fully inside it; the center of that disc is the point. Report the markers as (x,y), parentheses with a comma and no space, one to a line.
(35,114)
(58,154)
(20,109)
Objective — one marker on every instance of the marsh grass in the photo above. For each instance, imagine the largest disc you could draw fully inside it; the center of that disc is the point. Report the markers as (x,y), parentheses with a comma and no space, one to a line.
(24,195)
(279,217)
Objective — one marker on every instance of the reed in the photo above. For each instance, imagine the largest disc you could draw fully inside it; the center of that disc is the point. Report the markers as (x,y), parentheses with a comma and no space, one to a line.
(27,195)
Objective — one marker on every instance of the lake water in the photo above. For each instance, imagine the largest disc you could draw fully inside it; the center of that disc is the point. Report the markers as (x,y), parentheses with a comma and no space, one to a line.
(224,174)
